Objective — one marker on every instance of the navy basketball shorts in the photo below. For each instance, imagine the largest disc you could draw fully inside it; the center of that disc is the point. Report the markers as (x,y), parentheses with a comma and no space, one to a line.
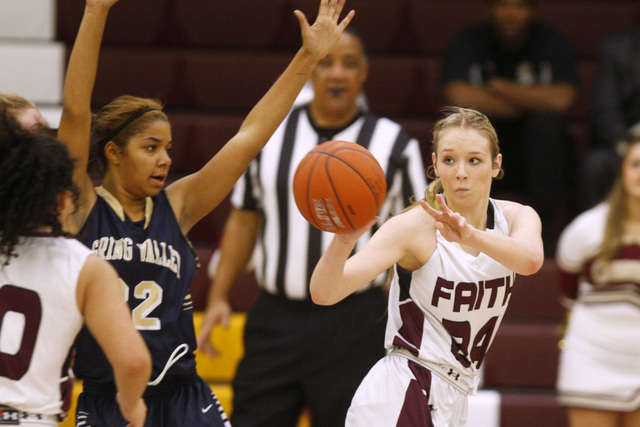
(189,404)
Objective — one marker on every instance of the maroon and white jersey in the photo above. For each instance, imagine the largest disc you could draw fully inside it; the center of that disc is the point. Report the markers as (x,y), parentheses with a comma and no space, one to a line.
(445,314)
(39,319)
(602,336)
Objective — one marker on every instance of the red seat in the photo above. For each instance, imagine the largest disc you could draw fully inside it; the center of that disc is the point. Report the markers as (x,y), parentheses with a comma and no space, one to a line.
(587,23)
(536,297)
(531,408)
(197,137)
(523,354)
(153,73)
(242,24)
(131,23)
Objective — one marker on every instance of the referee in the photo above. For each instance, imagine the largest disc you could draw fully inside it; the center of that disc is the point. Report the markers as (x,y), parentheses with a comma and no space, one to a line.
(298,354)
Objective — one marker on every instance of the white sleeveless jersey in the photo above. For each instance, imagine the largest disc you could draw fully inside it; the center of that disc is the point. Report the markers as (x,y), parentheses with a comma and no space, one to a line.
(39,318)
(446,314)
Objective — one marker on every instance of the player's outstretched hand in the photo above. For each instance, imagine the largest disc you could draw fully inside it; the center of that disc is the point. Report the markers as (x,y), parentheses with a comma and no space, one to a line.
(452,225)
(319,38)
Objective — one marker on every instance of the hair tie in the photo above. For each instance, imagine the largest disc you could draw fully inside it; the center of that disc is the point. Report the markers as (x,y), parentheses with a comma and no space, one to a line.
(124,124)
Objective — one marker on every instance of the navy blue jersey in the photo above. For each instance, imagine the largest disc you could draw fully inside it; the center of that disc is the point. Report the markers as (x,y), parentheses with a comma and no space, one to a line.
(156,263)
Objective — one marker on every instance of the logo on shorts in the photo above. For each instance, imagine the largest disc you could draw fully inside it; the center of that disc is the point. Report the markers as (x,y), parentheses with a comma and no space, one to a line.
(205,410)
(453,374)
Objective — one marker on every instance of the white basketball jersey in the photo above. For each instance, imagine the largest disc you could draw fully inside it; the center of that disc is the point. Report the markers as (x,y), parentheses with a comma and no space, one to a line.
(39,319)
(447,312)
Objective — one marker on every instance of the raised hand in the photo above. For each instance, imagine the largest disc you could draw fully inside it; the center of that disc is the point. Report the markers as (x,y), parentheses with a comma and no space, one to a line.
(319,38)
(452,225)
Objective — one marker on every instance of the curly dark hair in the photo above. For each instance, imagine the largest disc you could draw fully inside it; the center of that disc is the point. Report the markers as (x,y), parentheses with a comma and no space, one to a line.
(34,169)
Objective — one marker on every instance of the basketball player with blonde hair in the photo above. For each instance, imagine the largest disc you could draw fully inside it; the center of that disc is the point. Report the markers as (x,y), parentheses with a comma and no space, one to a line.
(454,257)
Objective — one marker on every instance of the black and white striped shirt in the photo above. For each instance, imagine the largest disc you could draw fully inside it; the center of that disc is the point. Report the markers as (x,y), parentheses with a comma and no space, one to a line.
(289,247)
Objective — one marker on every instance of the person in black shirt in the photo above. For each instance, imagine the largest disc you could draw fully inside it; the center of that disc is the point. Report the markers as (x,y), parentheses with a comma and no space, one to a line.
(522,74)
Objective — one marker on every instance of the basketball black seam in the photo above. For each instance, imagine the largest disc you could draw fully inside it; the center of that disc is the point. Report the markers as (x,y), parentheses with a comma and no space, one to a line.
(316,223)
(326,167)
(356,171)
(342,208)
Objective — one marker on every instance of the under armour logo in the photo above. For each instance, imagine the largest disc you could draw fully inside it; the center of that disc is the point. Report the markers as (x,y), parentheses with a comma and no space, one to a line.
(455,375)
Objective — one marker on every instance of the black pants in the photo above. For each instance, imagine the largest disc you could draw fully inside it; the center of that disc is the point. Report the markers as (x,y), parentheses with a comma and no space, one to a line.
(537,160)
(298,354)
(599,168)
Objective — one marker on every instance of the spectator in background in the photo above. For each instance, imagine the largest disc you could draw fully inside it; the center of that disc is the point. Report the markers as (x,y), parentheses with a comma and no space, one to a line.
(299,354)
(599,259)
(615,113)
(523,74)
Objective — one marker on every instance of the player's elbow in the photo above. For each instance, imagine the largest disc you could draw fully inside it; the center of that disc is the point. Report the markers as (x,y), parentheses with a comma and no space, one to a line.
(320,299)
(137,364)
(531,264)
(321,296)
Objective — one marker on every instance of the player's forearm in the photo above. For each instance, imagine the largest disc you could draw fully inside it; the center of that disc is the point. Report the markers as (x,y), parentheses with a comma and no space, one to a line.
(131,375)
(519,255)
(326,286)
(75,122)
(83,61)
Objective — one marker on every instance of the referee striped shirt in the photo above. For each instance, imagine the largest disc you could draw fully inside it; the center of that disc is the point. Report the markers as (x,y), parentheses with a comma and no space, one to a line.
(288,247)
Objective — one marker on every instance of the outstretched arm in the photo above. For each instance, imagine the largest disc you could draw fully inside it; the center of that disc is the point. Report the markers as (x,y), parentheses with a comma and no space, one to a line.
(403,239)
(193,197)
(521,251)
(75,122)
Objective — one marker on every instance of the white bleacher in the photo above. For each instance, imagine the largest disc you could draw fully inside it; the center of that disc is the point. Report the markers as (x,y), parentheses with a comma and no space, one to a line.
(32,62)
(28,19)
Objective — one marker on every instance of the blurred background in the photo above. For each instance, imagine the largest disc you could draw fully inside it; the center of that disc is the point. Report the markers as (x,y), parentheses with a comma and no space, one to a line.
(210,61)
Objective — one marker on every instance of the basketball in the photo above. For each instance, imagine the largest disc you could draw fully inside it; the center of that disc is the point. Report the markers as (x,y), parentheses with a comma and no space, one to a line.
(339,186)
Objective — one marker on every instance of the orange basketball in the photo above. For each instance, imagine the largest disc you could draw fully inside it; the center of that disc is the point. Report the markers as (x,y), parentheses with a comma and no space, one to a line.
(339,186)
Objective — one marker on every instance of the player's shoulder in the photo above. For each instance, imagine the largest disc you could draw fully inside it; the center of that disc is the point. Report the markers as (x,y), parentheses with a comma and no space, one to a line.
(412,221)
(71,247)
(511,209)
(414,231)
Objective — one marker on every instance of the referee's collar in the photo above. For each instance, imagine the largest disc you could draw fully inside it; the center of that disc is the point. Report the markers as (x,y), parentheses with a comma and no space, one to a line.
(325,133)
